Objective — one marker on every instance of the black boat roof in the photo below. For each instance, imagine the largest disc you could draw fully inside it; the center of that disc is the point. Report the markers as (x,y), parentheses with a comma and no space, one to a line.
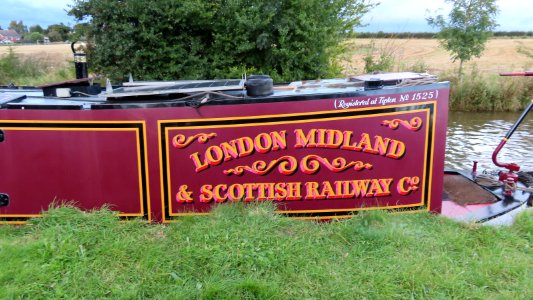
(68,95)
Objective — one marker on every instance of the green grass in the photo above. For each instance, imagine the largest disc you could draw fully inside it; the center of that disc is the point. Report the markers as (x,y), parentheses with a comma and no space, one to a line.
(480,92)
(252,253)
(29,71)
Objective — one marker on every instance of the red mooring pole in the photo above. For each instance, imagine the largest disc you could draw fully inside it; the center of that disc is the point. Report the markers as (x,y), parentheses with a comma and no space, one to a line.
(510,178)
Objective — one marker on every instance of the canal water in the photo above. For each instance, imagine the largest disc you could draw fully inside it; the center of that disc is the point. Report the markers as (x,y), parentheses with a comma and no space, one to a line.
(474,136)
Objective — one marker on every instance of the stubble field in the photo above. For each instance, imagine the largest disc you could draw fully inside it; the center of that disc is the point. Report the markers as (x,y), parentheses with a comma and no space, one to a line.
(57,55)
(501,55)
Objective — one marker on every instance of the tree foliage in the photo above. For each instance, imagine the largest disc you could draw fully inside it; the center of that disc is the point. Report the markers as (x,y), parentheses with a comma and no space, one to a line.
(54,36)
(36,28)
(80,32)
(34,37)
(58,32)
(190,39)
(467,28)
(19,27)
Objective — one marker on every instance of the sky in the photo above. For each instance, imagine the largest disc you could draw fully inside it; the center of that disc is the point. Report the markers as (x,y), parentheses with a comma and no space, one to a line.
(389,16)
(410,15)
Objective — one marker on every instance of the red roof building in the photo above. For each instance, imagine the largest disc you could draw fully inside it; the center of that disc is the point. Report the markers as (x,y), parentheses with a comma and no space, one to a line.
(10,35)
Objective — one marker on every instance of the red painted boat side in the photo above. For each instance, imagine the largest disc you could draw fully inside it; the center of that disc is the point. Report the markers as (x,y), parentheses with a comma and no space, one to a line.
(314,158)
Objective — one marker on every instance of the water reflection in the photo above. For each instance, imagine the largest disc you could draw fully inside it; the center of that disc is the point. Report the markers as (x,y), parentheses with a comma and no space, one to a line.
(474,136)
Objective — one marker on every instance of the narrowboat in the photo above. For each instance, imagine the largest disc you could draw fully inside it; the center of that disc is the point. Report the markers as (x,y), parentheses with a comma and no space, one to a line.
(318,149)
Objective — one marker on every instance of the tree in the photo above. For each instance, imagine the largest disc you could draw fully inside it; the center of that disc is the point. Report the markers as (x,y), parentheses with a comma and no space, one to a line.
(190,39)
(35,37)
(55,36)
(19,27)
(80,32)
(36,28)
(59,32)
(467,29)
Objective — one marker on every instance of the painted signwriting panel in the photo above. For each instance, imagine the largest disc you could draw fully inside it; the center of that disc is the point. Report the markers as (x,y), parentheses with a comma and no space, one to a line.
(324,164)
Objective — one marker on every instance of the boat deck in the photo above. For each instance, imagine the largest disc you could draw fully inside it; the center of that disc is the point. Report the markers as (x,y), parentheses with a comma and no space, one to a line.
(465,200)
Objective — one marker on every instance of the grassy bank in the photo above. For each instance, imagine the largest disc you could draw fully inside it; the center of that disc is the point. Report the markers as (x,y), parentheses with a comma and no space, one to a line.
(485,92)
(251,252)
(30,71)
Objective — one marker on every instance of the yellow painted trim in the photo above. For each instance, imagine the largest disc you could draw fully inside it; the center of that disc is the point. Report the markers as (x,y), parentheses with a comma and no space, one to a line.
(323,218)
(280,122)
(21,216)
(349,209)
(431,156)
(70,121)
(190,214)
(67,129)
(147,173)
(338,111)
(13,222)
(169,195)
(160,145)
(425,175)
(418,211)
(74,128)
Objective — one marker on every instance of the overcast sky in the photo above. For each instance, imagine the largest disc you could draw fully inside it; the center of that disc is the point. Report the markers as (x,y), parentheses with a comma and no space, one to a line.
(389,16)
(410,15)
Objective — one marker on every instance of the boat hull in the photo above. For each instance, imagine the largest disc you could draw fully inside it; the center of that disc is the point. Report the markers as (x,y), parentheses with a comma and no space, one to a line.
(315,156)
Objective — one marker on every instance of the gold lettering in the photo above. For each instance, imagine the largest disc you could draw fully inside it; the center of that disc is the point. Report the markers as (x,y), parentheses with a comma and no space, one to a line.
(396,150)
(197,163)
(312,191)
(305,141)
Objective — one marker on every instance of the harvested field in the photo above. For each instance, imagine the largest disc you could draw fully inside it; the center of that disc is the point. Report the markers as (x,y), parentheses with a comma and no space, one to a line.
(58,55)
(501,55)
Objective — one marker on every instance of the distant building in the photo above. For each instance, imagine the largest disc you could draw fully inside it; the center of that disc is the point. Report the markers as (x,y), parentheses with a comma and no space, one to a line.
(9,35)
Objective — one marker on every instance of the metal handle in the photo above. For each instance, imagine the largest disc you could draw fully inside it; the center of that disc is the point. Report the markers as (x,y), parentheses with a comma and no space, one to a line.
(510,166)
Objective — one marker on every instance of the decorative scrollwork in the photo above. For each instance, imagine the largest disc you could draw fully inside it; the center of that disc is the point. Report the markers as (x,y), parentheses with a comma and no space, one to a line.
(180,141)
(287,165)
(414,124)
(311,164)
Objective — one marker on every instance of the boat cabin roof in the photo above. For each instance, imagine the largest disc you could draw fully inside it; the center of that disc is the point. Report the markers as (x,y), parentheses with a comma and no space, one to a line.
(72,95)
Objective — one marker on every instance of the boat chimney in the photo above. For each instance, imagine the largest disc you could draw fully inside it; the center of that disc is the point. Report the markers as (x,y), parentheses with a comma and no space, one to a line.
(80,62)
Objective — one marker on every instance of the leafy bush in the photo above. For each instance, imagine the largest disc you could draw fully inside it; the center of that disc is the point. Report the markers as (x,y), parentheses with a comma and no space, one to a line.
(192,39)
(12,67)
